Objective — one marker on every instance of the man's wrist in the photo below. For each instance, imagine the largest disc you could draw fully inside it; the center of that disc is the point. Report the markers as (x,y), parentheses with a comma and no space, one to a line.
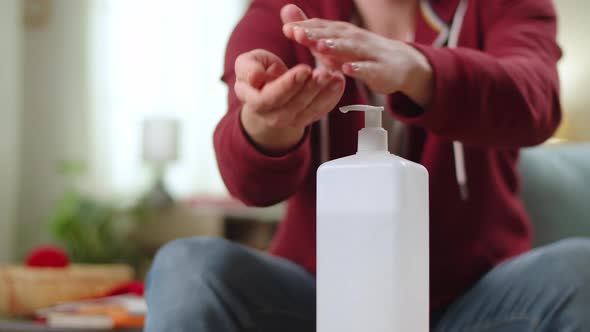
(272,141)
(420,83)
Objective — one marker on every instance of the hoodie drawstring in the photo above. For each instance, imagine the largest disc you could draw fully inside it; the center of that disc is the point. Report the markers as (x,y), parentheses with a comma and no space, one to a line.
(458,149)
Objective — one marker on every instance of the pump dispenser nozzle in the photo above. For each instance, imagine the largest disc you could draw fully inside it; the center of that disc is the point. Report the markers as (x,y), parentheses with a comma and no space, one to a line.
(373,137)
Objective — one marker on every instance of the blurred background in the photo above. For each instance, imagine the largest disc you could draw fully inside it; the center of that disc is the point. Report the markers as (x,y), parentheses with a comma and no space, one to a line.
(107,113)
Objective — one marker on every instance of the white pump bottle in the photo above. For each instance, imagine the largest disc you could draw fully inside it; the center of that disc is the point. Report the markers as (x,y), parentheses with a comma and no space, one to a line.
(372,238)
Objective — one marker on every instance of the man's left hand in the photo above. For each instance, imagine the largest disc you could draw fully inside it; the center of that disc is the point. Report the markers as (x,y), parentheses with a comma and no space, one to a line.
(384,65)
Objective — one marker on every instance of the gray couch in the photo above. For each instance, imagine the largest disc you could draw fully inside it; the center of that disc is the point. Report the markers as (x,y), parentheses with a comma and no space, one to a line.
(556,190)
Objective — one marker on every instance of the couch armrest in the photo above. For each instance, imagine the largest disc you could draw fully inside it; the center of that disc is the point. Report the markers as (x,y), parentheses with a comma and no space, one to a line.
(556,190)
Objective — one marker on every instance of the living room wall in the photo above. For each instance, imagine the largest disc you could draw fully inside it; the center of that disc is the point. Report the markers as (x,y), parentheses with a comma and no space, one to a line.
(54,117)
(10,32)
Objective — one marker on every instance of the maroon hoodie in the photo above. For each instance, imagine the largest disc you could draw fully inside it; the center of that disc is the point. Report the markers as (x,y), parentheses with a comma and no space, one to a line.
(496,93)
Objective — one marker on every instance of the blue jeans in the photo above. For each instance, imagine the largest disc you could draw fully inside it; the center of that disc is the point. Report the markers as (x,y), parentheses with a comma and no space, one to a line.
(211,285)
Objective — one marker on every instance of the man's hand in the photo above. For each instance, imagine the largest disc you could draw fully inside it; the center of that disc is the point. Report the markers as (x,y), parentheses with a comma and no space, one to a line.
(384,65)
(278,103)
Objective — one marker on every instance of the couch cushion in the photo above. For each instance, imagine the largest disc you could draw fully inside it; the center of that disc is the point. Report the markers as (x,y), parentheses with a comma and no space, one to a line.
(556,190)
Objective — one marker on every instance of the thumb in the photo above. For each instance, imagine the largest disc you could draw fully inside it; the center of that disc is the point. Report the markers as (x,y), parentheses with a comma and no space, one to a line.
(291,13)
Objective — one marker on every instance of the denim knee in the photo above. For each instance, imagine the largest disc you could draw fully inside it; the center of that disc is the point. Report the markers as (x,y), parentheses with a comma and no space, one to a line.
(546,289)
(572,266)
(573,256)
(180,292)
(194,256)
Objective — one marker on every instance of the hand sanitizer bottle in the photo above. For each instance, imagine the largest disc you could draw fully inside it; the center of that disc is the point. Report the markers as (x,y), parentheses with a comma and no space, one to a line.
(372,238)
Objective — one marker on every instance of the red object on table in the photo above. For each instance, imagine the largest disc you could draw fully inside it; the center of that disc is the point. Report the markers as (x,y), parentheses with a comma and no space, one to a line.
(47,256)
(131,287)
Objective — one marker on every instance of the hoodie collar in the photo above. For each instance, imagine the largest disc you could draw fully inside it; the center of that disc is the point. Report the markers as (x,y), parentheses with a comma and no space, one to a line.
(433,24)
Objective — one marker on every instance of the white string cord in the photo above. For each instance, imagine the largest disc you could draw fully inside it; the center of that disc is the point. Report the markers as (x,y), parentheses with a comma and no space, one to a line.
(458,149)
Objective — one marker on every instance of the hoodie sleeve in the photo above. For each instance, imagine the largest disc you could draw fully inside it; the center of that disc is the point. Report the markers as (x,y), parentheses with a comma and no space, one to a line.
(249,174)
(505,95)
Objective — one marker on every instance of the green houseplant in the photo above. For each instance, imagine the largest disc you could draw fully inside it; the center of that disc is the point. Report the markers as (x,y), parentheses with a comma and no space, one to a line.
(91,230)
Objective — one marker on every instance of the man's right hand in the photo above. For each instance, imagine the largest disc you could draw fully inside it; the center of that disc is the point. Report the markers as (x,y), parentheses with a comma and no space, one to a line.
(278,103)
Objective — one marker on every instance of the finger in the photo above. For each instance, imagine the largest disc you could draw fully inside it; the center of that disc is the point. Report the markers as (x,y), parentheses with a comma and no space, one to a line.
(299,102)
(258,79)
(318,28)
(246,93)
(338,75)
(261,102)
(345,49)
(323,102)
(280,91)
(286,115)
(257,66)
(312,23)
(247,67)
(301,31)
(274,71)
(274,94)
(366,71)
(291,13)
(328,61)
